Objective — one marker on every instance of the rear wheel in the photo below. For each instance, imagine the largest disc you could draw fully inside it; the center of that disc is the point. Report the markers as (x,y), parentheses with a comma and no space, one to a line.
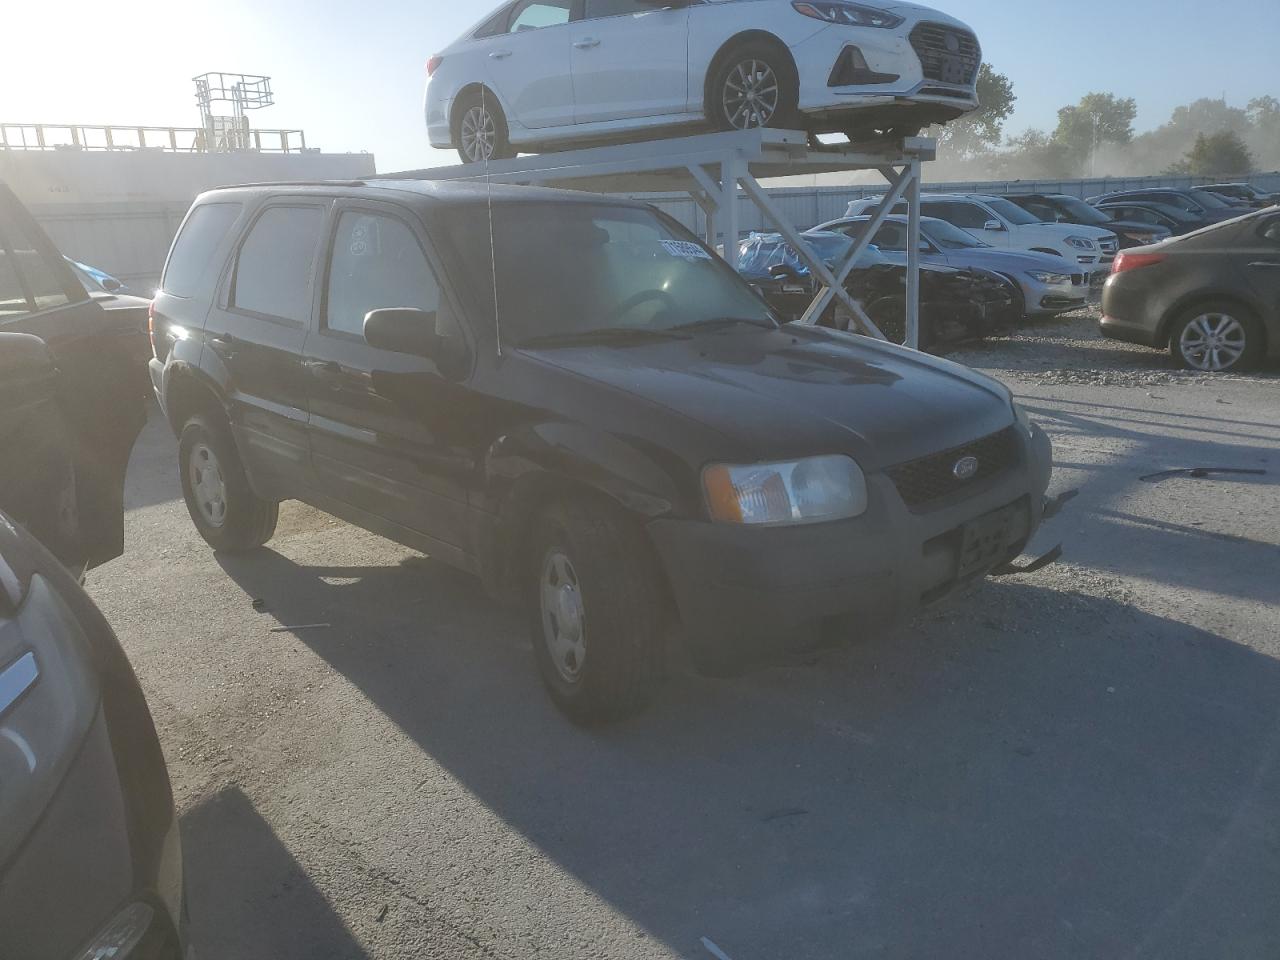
(481,129)
(224,508)
(754,86)
(596,611)
(1216,338)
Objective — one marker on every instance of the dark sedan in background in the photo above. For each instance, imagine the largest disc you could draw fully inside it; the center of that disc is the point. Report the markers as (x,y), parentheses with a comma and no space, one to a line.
(1203,208)
(1246,193)
(1212,297)
(1062,208)
(1175,220)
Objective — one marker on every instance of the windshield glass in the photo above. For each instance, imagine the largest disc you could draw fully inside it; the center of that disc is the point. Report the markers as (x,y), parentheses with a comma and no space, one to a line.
(568,268)
(1081,212)
(948,236)
(1010,211)
(1211,200)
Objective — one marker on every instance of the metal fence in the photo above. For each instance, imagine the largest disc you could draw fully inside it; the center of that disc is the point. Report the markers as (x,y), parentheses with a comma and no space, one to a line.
(810,206)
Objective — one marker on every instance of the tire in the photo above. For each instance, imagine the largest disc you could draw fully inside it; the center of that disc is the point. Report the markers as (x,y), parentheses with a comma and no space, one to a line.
(224,508)
(768,75)
(480,120)
(592,572)
(1216,338)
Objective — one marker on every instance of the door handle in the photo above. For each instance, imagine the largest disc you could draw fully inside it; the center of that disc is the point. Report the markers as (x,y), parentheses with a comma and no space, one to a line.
(499,54)
(224,345)
(586,43)
(323,369)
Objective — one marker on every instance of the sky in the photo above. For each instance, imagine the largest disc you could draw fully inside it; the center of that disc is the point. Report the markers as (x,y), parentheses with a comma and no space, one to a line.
(352,75)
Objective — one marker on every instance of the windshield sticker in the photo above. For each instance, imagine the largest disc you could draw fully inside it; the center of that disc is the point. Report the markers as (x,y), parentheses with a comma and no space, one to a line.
(685,249)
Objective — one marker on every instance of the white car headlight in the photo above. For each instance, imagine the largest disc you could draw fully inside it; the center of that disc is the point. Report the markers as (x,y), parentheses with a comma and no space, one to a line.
(1080,243)
(1044,276)
(850,14)
(800,491)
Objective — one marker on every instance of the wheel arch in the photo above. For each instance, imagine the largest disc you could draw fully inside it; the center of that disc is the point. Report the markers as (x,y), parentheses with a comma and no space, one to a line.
(189,392)
(737,40)
(474,87)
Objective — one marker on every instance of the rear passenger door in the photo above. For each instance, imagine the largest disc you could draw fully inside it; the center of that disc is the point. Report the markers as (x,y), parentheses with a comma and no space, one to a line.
(385,426)
(255,334)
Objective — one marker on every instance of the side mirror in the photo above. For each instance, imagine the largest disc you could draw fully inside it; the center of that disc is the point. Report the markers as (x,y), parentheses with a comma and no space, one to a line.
(993,225)
(784,271)
(413,331)
(112,285)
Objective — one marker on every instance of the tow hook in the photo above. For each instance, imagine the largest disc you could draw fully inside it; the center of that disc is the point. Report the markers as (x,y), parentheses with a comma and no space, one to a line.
(1051,509)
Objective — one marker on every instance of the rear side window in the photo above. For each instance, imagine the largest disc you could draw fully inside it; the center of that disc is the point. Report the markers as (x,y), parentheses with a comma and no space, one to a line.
(616,8)
(377,263)
(31,274)
(536,14)
(494,25)
(193,251)
(274,266)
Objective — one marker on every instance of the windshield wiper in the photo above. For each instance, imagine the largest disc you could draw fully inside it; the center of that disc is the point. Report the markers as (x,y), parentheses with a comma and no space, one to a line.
(603,335)
(715,323)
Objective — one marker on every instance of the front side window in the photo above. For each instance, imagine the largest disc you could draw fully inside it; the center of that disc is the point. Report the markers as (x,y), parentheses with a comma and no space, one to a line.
(892,236)
(1041,210)
(536,14)
(198,240)
(1010,211)
(966,215)
(377,263)
(274,267)
(597,9)
(950,237)
(568,270)
(1270,231)
(31,275)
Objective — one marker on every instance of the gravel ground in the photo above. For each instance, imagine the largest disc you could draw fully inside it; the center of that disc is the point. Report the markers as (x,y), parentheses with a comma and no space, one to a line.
(1078,763)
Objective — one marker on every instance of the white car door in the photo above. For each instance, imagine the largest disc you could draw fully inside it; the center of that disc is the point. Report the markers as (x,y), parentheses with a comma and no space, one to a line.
(528,64)
(630,59)
(969,216)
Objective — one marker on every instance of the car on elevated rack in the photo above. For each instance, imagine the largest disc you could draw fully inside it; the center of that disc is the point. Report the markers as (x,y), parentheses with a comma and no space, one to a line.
(544,74)
(1042,284)
(1001,223)
(1212,297)
(1063,208)
(576,399)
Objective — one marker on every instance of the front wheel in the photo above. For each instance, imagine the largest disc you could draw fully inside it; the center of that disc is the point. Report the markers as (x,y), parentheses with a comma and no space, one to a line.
(755,86)
(596,611)
(223,507)
(1216,338)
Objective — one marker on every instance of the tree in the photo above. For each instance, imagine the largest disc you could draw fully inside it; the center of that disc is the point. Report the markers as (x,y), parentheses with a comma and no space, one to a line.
(1264,137)
(983,129)
(1215,155)
(1033,155)
(1098,118)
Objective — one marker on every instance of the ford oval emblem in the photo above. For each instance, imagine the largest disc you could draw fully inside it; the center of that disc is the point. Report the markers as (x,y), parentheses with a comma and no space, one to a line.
(953,43)
(965,468)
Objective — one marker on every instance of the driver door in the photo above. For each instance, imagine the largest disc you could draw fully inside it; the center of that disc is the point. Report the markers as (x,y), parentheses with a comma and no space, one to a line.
(630,59)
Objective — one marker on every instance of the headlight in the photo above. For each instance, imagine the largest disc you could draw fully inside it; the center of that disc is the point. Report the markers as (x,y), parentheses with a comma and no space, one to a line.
(1080,243)
(849,14)
(1020,415)
(802,491)
(1045,276)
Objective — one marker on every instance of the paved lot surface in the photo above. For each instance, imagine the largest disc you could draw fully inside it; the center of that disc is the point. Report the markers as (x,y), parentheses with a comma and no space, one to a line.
(1079,763)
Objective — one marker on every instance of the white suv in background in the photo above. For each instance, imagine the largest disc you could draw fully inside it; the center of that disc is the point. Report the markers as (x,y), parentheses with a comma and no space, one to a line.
(1001,223)
(547,73)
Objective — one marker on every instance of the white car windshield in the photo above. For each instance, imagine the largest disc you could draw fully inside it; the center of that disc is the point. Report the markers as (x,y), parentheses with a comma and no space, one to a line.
(1011,211)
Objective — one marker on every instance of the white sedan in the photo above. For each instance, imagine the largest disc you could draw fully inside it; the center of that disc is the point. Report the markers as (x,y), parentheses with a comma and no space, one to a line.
(541,74)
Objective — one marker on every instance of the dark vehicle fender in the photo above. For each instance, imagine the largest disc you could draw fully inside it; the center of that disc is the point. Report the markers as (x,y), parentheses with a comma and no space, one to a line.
(194,381)
(529,467)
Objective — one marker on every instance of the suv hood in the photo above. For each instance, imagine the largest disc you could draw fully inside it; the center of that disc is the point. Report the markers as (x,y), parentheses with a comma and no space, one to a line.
(800,391)
(1065,230)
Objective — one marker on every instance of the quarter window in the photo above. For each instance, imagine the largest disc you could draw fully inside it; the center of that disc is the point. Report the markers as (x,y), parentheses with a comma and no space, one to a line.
(193,251)
(377,263)
(273,269)
(535,14)
(29,280)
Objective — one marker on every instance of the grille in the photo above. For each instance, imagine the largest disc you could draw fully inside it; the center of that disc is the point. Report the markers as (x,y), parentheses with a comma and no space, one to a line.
(946,54)
(930,478)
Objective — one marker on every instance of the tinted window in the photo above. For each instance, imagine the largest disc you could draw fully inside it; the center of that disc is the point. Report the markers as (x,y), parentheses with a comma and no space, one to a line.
(541,13)
(193,251)
(892,236)
(273,270)
(1270,231)
(377,263)
(494,25)
(32,276)
(615,8)
(1042,211)
(1010,211)
(961,214)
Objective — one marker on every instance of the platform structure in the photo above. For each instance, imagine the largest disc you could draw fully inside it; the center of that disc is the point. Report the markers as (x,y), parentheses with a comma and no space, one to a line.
(715,169)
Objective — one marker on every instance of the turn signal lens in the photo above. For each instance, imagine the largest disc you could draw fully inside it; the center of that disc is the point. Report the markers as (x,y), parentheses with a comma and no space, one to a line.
(803,491)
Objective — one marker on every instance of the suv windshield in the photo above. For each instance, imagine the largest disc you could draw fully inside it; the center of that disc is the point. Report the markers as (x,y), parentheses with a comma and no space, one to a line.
(1010,211)
(949,237)
(567,269)
(1081,212)
(1211,200)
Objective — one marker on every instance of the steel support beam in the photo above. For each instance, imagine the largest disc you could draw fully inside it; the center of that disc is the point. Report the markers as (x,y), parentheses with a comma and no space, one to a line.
(913,254)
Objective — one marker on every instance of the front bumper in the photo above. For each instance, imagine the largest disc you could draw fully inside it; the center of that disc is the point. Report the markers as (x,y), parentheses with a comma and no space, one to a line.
(744,592)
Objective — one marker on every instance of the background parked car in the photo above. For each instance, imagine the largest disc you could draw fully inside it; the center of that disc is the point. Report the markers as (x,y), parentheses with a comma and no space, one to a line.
(90,857)
(1207,208)
(955,303)
(544,73)
(90,364)
(1174,219)
(1062,208)
(1042,284)
(997,221)
(1246,193)
(1212,298)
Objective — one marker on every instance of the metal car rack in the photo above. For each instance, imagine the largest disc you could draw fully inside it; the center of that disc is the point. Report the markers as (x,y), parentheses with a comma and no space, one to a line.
(712,168)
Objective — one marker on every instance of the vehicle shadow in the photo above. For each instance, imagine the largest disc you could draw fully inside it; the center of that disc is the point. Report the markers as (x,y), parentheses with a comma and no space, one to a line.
(1023,772)
(247,895)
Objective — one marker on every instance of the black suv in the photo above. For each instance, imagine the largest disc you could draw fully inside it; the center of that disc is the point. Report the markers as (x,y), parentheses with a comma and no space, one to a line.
(577,400)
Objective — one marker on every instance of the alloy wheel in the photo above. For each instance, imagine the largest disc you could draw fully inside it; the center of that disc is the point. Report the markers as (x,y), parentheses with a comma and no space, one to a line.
(751,95)
(208,487)
(1213,342)
(479,134)
(563,615)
